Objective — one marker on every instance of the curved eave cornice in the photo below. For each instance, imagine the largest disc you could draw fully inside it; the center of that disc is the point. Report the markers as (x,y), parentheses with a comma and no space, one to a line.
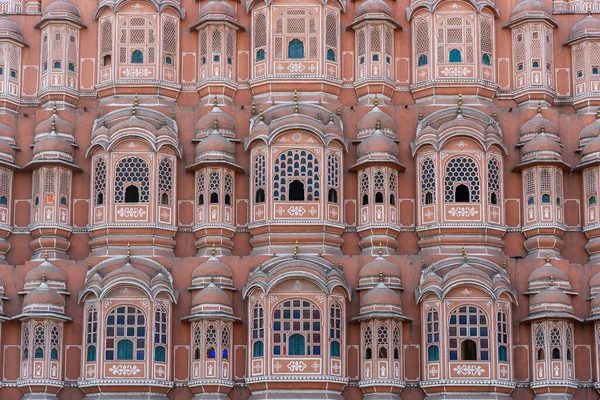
(551,315)
(9,165)
(42,314)
(159,5)
(268,140)
(383,163)
(431,5)
(374,17)
(532,163)
(212,19)
(108,143)
(493,291)
(211,315)
(340,3)
(381,315)
(51,162)
(583,37)
(594,162)
(535,18)
(64,20)
(13,39)
(214,163)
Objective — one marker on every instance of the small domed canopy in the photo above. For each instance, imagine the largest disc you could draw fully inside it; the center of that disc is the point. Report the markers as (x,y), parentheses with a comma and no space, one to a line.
(526,10)
(216,11)
(590,155)
(378,149)
(375,118)
(52,149)
(595,309)
(590,132)
(7,155)
(535,125)
(380,268)
(11,30)
(374,10)
(215,119)
(587,28)
(211,302)
(550,303)
(546,276)
(55,124)
(541,150)
(595,284)
(380,302)
(61,10)
(212,270)
(55,277)
(215,150)
(43,302)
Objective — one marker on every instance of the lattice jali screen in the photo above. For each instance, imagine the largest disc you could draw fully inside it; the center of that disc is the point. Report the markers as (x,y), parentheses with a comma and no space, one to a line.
(99,181)
(299,24)
(455,33)
(493,180)
(591,182)
(427,180)
(260,31)
(132,171)
(462,170)
(11,6)
(296,165)
(137,33)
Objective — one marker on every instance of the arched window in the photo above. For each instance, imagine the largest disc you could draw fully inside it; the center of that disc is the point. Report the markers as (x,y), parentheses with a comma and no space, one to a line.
(99,180)
(25,341)
(137,57)
(3,200)
(165,181)
(545,199)
(493,181)
(91,336)
(296,165)
(462,180)
(138,39)
(378,198)
(423,60)
(125,334)
(486,60)
(461,194)
(260,196)
(393,188)
(297,328)
(259,27)
(427,181)
(332,196)
(200,187)
(228,186)
(260,55)
(455,56)
(569,343)
(160,334)
(134,173)
(368,342)
(132,194)
(502,326)
(296,49)
(39,341)
(396,343)
(540,343)
(379,186)
(214,187)
(433,335)
(335,329)
(296,191)
(364,188)
(225,341)
(197,340)
(297,345)
(333,176)
(125,349)
(382,342)
(330,55)
(210,341)
(468,335)
(556,343)
(54,354)
(258,330)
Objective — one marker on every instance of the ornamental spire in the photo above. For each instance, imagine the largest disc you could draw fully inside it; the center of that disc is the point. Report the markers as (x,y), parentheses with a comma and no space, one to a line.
(135,104)
(547,258)
(213,252)
(44,276)
(296,250)
(46,255)
(460,103)
(128,252)
(380,276)
(464,254)
(380,251)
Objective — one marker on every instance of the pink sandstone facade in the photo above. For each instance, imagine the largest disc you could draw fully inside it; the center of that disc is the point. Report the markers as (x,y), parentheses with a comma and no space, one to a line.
(299,199)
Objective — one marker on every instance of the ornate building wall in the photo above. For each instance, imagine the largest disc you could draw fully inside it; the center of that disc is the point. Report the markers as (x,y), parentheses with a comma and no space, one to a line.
(299,200)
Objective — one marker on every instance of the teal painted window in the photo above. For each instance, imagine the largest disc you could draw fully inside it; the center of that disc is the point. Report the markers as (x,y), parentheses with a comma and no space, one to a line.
(91,354)
(423,60)
(258,349)
(125,350)
(160,354)
(137,57)
(297,345)
(455,56)
(296,49)
(334,350)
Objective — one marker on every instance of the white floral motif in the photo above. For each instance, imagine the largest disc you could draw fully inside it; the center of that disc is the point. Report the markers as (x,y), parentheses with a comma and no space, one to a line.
(125,370)
(456,71)
(296,211)
(137,72)
(297,286)
(296,366)
(131,212)
(466,292)
(469,370)
(463,211)
(296,67)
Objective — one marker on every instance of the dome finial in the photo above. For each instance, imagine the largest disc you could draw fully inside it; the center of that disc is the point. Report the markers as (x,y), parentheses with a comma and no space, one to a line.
(380,276)
(296,95)
(54,109)
(330,117)
(296,250)
(216,125)
(460,103)
(552,280)
(135,104)
(53,127)
(339,112)
(420,115)
(261,116)
(213,252)
(44,276)
(128,252)
(543,129)
(216,102)
(89,264)
(423,264)
(253,109)
(547,258)
(378,125)
(376,102)
(46,255)
(504,264)
(380,251)
(464,254)
(539,107)
(598,113)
